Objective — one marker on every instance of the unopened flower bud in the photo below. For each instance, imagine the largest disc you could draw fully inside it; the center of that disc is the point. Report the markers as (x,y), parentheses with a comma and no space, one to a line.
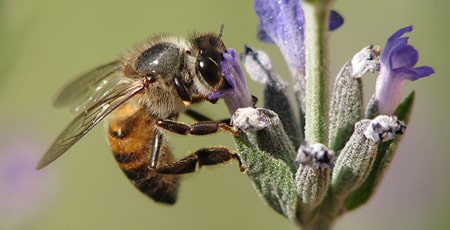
(259,66)
(316,155)
(313,175)
(346,101)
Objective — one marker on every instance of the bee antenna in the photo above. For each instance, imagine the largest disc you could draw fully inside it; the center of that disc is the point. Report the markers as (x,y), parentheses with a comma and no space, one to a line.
(221,30)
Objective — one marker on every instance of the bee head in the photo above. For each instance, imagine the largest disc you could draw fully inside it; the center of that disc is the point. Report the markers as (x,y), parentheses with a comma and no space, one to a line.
(207,65)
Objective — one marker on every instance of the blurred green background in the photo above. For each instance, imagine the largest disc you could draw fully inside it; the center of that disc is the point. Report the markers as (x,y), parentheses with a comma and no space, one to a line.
(47,42)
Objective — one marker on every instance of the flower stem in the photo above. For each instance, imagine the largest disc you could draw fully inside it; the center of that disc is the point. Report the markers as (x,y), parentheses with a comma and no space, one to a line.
(316,50)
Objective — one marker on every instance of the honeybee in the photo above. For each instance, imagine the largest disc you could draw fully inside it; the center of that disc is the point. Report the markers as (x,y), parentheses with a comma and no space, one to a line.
(143,94)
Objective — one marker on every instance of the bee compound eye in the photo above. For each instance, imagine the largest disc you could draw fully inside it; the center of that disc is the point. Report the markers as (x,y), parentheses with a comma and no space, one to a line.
(209,69)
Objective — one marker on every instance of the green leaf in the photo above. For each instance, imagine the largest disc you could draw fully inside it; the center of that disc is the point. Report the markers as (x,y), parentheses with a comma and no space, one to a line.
(405,108)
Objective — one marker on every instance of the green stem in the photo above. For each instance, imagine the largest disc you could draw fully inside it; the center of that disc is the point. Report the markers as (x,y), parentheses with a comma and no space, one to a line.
(316,63)
(328,213)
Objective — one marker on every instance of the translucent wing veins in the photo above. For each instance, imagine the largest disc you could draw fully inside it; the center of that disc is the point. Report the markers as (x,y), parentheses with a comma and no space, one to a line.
(86,120)
(80,92)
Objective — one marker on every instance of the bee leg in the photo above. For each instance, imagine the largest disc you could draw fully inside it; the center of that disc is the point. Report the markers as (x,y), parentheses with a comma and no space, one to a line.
(201,117)
(200,128)
(205,156)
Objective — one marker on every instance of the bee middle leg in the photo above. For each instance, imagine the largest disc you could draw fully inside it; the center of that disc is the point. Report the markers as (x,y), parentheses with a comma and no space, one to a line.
(199,128)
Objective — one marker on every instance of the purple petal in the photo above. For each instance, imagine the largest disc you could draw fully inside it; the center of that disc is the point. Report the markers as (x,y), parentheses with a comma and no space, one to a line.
(336,20)
(397,65)
(238,96)
(400,33)
(422,71)
(282,22)
(390,48)
(393,43)
(413,74)
(407,56)
(263,36)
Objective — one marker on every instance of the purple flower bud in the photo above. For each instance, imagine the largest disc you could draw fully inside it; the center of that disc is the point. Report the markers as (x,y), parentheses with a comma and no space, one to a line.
(397,65)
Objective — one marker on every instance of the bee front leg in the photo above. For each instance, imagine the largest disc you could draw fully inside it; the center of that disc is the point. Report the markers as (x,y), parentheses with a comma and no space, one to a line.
(200,128)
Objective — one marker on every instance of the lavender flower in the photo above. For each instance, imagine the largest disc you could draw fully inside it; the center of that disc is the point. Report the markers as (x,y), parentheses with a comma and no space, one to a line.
(341,156)
(282,22)
(397,65)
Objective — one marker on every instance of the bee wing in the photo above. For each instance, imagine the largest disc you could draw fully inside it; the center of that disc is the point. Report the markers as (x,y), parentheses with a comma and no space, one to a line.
(86,89)
(86,120)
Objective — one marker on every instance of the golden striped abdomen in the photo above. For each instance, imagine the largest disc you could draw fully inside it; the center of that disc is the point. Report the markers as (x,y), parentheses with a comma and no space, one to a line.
(131,134)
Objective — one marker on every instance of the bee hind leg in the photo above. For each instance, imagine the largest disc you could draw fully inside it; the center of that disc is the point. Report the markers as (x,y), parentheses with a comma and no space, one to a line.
(204,156)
